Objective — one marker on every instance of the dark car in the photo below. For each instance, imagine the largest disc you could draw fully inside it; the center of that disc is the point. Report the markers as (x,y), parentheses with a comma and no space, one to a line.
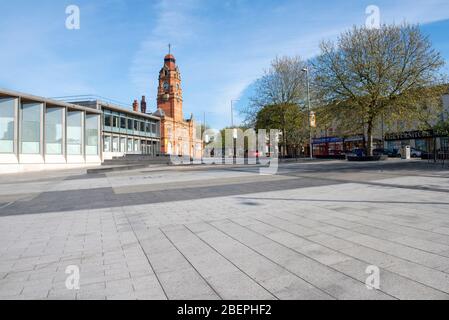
(392,153)
(356,152)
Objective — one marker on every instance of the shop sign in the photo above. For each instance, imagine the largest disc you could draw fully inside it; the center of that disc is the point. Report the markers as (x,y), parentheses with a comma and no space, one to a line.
(419,134)
(327,140)
(354,138)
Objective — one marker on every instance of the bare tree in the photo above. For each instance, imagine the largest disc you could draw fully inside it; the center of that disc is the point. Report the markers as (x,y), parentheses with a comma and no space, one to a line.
(282,84)
(376,72)
(280,89)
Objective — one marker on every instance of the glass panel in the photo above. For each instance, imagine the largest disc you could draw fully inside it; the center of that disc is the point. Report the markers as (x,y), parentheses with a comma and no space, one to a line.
(122,144)
(53,130)
(130,124)
(153,129)
(123,123)
(115,144)
(107,120)
(130,145)
(31,128)
(91,134)
(74,132)
(136,145)
(116,122)
(107,143)
(7,111)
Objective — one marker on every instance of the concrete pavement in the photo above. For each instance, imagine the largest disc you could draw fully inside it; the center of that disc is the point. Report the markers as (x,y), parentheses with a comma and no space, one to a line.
(309,232)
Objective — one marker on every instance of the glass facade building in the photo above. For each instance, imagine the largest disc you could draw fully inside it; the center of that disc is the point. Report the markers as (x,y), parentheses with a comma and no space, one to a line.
(124,131)
(127,133)
(38,133)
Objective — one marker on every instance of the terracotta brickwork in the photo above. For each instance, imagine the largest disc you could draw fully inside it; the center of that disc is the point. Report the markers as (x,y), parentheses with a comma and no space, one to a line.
(178,136)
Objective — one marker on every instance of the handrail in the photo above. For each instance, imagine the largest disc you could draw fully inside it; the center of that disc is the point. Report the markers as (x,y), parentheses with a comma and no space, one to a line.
(92,97)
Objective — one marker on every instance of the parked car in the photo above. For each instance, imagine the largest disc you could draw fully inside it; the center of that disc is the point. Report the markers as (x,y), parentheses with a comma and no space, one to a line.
(415,153)
(356,153)
(392,153)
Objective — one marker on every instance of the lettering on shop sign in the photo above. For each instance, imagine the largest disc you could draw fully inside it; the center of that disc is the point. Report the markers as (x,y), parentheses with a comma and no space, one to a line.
(409,135)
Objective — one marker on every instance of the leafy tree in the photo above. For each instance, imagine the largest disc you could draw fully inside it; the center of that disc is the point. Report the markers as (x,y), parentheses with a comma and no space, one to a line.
(368,73)
(287,118)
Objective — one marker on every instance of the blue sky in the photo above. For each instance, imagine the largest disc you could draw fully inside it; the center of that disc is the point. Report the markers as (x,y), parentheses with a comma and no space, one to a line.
(222,46)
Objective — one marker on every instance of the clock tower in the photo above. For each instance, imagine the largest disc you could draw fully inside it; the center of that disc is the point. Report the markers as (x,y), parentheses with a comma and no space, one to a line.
(169,94)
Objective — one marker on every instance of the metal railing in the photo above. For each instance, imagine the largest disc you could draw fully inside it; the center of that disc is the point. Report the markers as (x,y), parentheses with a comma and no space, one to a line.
(93,97)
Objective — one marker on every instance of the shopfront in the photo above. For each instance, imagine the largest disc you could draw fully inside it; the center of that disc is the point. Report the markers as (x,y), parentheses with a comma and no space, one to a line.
(327,147)
(422,140)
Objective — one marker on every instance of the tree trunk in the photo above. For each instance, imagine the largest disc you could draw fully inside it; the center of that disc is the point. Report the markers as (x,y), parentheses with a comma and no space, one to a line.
(369,147)
(284,137)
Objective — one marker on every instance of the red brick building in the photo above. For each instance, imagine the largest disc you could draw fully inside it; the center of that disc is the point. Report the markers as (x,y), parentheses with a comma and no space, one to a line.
(178,136)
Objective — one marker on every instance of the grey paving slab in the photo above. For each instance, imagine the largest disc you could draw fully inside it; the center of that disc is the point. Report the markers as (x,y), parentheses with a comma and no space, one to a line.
(330,281)
(223,276)
(307,233)
(273,277)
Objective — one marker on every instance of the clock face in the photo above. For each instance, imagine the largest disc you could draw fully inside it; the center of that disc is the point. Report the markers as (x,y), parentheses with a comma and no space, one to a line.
(166,86)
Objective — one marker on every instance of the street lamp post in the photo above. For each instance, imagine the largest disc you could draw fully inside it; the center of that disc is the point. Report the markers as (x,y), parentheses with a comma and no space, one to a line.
(232,112)
(309,108)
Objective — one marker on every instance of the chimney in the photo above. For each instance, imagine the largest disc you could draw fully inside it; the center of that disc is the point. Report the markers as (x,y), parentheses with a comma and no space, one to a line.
(135,106)
(143,105)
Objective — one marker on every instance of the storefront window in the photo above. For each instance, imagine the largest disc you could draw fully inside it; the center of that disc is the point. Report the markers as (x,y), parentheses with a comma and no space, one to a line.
(130,145)
(74,132)
(421,144)
(91,134)
(31,128)
(7,111)
(136,146)
(53,130)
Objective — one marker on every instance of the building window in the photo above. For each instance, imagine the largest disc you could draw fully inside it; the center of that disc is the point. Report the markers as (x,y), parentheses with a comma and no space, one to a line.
(136,125)
(107,120)
(74,132)
(142,126)
(130,145)
(122,144)
(123,123)
(115,146)
(53,130)
(107,144)
(116,122)
(91,134)
(7,112)
(31,128)
(130,124)
(136,146)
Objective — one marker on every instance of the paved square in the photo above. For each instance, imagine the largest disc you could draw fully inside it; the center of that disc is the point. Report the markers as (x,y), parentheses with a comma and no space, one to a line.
(309,232)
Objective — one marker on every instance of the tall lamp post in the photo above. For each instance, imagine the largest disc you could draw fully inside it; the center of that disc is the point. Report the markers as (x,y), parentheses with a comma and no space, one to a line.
(232,112)
(309,109)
